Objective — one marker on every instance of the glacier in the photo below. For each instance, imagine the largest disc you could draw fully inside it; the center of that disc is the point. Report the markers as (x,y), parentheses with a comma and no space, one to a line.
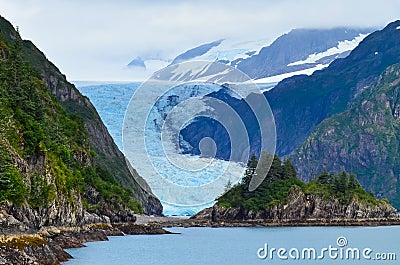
(148,121)
(111,102)
(157,113)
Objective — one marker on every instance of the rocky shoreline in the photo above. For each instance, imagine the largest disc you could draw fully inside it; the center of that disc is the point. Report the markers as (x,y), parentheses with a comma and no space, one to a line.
(199,222)
(47,245)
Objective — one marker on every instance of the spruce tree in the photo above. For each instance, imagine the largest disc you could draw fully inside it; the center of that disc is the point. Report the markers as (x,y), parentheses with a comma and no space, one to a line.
(343,183)
(325,177)
(353,183)
(276,171)
(288,169)
(250,170)
(16,59)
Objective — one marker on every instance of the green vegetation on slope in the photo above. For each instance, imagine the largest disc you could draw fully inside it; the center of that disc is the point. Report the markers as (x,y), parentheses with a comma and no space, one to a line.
(300,103)
(364,139)
(38,138)
(281,178)
(107,153)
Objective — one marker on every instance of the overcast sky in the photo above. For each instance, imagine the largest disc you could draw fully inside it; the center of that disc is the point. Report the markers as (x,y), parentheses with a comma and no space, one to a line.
(94,40)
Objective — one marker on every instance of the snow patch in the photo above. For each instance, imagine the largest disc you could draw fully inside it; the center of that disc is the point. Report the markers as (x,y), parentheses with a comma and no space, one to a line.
(342,47)
(231,49)
(266,87)
(278,78)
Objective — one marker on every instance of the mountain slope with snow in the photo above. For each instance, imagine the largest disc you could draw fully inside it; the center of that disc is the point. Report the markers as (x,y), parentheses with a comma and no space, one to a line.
(301,49)
(296,52)
(196,52)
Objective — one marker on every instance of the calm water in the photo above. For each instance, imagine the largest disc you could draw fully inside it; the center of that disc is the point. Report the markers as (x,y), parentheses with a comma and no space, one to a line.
(239,246)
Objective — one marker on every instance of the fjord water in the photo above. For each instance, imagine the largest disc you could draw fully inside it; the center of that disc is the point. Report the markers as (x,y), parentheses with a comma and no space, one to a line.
(238,246)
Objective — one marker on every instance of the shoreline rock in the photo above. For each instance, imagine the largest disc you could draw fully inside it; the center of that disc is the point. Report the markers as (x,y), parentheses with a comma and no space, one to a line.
(47,246)
(299,206)
(367,222)
(197,221)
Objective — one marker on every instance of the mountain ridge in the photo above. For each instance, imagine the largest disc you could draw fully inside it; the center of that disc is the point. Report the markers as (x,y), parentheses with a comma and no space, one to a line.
(284,55)
(311,99)
(294,46)
(60,166)
(301,103)
(363,139)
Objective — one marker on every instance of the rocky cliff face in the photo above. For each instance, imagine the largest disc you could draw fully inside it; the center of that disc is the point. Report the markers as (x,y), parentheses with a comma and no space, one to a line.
(59,165)
(299,206)
(364,140)
(100,140)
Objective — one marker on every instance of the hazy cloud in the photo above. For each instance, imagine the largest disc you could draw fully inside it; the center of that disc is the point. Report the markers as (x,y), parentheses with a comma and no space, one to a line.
(92,40)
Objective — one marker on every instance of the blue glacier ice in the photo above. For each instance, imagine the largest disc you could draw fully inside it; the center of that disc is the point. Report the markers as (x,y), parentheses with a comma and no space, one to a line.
(111,102)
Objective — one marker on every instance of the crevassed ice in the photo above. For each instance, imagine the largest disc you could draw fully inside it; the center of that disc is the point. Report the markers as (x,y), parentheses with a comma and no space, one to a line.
(111,102)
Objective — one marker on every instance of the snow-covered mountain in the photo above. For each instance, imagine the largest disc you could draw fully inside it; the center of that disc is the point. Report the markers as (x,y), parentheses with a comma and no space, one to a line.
(137,62)
(225,51)
(163,163)
(196,52)
(300,51)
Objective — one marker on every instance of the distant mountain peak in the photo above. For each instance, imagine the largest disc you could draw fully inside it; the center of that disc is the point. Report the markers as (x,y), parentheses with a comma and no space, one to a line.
(137,62)
(197,51)
(299,50)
